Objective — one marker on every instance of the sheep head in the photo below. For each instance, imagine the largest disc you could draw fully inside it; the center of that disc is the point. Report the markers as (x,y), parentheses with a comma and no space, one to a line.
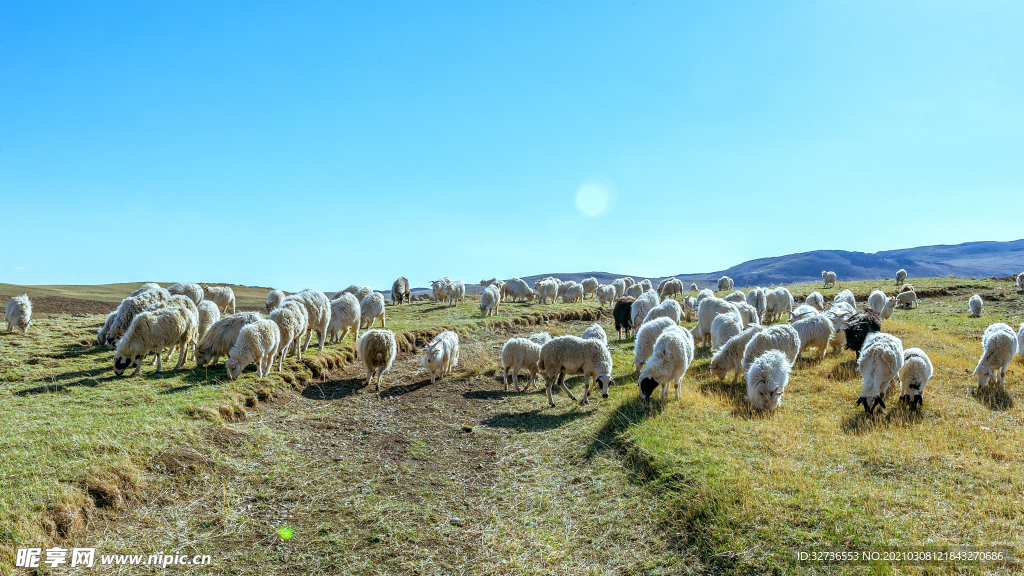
(647,386)
(122,363)
(604,381)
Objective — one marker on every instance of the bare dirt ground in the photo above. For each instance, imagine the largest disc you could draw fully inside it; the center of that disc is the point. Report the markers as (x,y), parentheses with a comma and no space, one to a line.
(62,305)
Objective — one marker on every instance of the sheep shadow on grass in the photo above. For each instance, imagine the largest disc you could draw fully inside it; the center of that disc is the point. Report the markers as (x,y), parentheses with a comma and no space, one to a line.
(897,414)
(61,388)
(994,398)
(335,389)
(734,394)
(843,371)
(535,420)
(403,389)
(626,415)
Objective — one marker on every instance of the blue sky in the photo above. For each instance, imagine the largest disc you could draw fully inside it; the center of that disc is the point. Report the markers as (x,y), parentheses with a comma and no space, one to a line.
(320,144)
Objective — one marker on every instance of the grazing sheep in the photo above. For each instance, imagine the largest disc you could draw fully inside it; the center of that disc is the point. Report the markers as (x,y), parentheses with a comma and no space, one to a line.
(292,322)
(209,315)
(400,291)
(725,283)
(815,299)
(1020,281)
(486,283)
(646,283)
(907,299)
(975,305)
(782,337)
(377,348)
(845,295)
(756,299)
(258,342)
(222,296)
(816,331)
(777,302)
(19,313)
(352,289)
(145,288)
(667,309)
(371,308)
(441,355)
(1000,345)
(620,287)
(570,356)
(724,327)
(1020,340)
(517,354)
(673,353)
(490,300)
(708,309)
(595,332)
(131,307)
(670,287)
(628,281)
(877,301)
(275,297)
(193,291)
(901,276)
(766,380)
(546,289)
(737,296)
(641,306)
(914,376)
(859,327)
(318,315)
(839,314)
(573,294)
(151,332)
(801,311)
(729,357)
(879,365)
(748,315)
(605,294)
(635,290)
(623,315)
(363,293)
(907,288)
(454,292)
(646,336)
(829,278)
(563,287)
(101,334)
(219,339)
(689,307)
(693,287)
(590,286)
(705,293)
(517,288)
(540,338)
(890,306)
(346,316)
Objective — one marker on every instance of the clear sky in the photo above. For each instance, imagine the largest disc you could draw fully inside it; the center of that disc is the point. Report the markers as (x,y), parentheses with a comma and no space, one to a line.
(307,144)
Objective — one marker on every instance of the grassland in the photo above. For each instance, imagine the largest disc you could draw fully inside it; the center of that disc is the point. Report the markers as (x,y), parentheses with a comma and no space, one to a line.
(462,477)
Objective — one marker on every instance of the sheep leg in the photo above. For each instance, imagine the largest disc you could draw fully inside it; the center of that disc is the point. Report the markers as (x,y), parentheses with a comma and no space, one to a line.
(309,336)
(504,377)
(586,389)
(551,402)
(515,379)
(561,382)
(181,356)
(159,352)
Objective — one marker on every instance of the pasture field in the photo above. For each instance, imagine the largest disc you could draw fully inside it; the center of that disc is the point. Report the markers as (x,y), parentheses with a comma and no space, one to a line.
(461,477)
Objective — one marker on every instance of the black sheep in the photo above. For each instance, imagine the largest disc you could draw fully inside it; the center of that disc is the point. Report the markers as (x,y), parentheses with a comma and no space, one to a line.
(859,326)
(623,318)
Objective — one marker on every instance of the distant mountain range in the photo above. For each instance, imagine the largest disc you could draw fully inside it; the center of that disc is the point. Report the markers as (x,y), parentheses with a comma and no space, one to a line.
(968,260)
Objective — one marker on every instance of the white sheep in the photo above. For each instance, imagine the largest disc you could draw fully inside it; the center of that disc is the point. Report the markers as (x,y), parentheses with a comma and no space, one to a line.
(673,353)
(829,278)
(729,357)
(777,302)
(693,287)
(222,296)
(646,336)
(1020,340)
(219,339)
(815,299)
(371,308)
(570,356)
(737,296)
(890,306)
(318,315)
(101,334)
(877,301)
(517,288)
(490,300)
(455,292)
(573,294)
(1020,281)
(258,342)
(975,305)
(131,307)
(667,309)
(914,376)
(563,287)
(605,294)
(209,314)
(590,286)
(193,291)
(19,313)
(748,315)
(363,293)
(378,349)
(346,316)
(595,332)
(546,289)
(725,283)
(845,295)
(635,290)
(879,365)
(145,288)
(724,327)
(628,280)
(816,331)
(708,309)
(641,306)
(275,297)
(646,283)
(756,299)
(767,377)
(517,354)
(670,287)
(151,332)
(901,276)
(441,355)
(999,345)
(907,299)
(705,293)
(620,288)
(782,337)
(292,322)
(689,307)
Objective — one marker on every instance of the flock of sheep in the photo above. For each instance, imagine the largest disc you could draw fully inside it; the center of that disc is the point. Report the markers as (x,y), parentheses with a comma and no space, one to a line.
(187,317)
